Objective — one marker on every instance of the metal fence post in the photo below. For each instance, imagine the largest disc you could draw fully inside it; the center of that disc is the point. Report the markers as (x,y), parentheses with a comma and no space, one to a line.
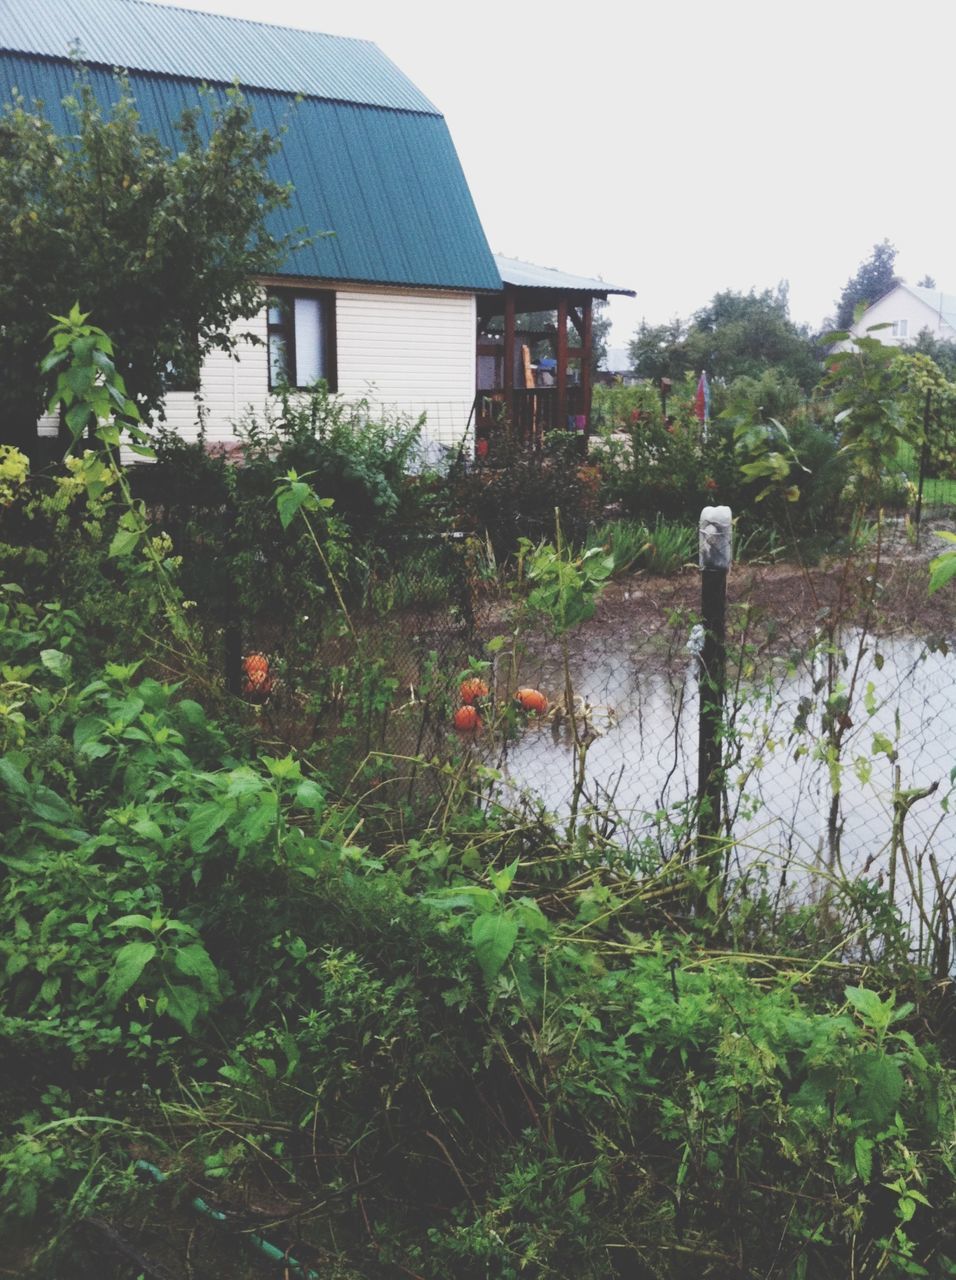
(923,460)
(232,623)
(714,541)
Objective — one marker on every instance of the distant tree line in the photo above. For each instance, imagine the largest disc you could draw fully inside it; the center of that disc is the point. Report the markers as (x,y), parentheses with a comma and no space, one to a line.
(746,334)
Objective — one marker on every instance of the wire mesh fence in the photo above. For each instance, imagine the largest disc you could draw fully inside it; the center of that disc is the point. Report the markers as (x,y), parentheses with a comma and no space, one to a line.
(838,745)
(839,732)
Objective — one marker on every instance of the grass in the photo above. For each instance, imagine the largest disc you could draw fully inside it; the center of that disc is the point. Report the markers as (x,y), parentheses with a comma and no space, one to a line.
(664,549)
(937,491)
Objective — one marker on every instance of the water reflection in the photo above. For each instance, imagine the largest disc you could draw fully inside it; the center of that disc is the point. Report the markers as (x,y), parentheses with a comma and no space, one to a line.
(898,739)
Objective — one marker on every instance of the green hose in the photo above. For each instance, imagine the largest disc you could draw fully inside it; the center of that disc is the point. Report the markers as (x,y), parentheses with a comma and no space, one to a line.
(265,1247)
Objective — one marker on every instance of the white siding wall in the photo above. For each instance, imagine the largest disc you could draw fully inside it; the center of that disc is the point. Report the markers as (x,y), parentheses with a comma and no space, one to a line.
(407,353)
(900,304)
(229,388)
(410,353)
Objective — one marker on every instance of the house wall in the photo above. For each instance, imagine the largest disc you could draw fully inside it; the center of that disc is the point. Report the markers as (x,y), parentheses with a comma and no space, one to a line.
(406,353)
(410,353)
(900,304)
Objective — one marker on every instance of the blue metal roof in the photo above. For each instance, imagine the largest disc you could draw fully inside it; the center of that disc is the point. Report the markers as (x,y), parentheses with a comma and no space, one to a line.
(386,181)
(211,47)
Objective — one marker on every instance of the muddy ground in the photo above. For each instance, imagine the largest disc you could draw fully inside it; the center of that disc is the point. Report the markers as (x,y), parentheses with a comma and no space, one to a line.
(887,587)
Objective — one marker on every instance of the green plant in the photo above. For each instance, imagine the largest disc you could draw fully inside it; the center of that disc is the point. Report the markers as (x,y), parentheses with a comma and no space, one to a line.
(187,231)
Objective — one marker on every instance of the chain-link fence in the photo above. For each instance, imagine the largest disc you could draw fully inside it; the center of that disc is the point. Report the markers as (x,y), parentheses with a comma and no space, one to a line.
(840,729)
(840,708)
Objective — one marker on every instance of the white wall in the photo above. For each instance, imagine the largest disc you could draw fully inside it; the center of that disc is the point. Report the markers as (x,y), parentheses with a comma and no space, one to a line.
(228,387)
(410,352)
(900,304)
(404,352)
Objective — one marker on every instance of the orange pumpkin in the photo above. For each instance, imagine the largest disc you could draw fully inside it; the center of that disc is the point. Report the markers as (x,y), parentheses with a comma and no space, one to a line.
(257,679)
(472,690)
(531,700)
(467,718)
(255,667)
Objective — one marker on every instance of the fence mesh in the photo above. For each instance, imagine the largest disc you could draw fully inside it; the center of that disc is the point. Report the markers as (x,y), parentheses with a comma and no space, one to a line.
(840,712)
(839,734)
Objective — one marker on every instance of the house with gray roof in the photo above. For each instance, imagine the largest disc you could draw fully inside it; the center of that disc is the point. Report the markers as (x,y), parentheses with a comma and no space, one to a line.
(388,308)
(908,309)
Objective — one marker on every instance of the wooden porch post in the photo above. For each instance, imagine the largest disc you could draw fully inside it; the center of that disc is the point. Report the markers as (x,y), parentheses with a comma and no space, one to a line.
(509,369)
(587,342)
(562,420)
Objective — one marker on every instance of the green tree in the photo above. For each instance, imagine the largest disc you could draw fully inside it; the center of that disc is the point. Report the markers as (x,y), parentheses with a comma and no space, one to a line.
(942,351)
(657,351)
(735,335)
(874,278)
(160,248)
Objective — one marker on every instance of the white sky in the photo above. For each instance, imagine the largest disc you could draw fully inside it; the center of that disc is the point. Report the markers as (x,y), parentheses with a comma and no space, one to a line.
(679,147)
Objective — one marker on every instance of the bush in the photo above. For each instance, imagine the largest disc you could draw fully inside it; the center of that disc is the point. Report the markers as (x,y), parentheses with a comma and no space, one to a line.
(656,468)
(515,496)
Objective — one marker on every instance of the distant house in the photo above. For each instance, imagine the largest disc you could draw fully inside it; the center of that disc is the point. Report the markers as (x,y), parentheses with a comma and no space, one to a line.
(908,309)
(389,307)
(618,368)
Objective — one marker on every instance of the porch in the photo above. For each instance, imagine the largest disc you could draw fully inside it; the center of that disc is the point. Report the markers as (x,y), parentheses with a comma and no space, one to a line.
(535,360)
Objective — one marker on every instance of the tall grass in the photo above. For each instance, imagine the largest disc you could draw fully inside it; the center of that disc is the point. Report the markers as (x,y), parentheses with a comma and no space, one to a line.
(662,550)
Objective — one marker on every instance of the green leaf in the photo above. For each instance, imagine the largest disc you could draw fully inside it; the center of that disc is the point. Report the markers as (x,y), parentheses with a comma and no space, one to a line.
(285,768)
(502,879)
(194,961)
(13,778)
(867,1003)
(493,936)
(108,433)
(61,664)
(124,542)
(86,730)
(291,498)
(941,570)
(46,804)
(184,1004)
(881,1086)
(310,795)
(128,922)
(204,822)
(863,1158)
(192,713)
(130,962)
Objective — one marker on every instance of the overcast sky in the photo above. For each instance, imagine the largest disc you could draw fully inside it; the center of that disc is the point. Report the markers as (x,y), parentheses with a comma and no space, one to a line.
(685,147)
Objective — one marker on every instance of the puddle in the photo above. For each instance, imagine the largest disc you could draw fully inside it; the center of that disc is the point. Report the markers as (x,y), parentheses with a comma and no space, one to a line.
(644,758)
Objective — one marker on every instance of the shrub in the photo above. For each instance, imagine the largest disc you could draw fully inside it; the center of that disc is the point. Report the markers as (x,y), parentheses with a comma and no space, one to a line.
(515,495)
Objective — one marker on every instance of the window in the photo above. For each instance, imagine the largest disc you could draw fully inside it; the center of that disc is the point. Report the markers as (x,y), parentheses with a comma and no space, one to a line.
(901,328)
(301,339)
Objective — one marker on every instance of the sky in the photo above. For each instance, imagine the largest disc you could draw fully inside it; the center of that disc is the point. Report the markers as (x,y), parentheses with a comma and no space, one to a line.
(680,148)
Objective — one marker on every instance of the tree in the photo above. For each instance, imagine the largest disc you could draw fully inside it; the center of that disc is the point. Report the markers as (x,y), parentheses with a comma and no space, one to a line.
(657,351)
(735,335)
(161,249)
(940,350)
(927,282)
(600,332)
(873,279)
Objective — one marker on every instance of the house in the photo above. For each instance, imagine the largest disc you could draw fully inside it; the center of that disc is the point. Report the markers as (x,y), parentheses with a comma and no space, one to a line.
(389,307)
(908,309)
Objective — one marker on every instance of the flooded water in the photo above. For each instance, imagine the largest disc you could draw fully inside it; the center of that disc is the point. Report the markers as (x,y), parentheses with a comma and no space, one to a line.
(898,741)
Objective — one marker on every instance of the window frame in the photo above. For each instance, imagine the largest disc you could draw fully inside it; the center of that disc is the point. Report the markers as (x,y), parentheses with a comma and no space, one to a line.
(901,328)
(285,299)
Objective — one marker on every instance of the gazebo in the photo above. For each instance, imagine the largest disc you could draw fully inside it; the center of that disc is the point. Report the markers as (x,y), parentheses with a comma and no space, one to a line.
(520,389)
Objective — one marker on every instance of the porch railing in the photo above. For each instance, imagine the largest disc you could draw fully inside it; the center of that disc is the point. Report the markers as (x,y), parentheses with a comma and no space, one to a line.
(535,412)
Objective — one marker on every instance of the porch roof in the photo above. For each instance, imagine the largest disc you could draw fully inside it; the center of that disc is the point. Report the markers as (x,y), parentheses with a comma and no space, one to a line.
(527,275)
